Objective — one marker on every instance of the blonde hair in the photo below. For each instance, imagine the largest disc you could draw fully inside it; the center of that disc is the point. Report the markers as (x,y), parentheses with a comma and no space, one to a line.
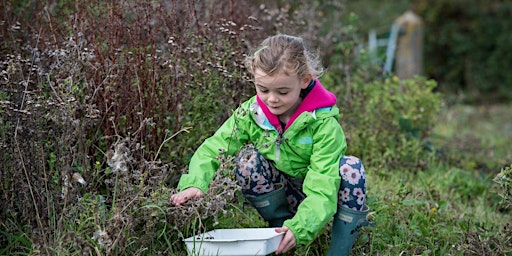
(284,53)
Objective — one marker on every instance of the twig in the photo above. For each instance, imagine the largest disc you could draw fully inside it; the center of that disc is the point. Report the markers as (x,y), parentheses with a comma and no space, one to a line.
(186,129)
(50,23)
(45,177)
(29,184)
(126,207)
(201,227)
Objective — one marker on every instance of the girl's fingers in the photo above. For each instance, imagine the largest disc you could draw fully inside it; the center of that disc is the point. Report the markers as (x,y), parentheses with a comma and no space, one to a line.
(288,241)
(178,199)
(185,195)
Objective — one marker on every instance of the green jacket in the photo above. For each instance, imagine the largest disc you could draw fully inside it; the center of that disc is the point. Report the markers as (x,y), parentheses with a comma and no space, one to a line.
(310,148)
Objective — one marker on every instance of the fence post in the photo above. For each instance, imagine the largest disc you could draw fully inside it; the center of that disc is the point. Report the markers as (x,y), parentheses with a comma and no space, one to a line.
(409,54)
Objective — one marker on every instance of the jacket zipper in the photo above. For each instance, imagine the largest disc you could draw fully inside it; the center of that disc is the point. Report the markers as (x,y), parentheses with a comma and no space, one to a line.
(278,146)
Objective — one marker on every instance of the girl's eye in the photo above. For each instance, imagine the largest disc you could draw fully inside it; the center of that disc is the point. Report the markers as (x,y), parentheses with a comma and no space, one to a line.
(283,93)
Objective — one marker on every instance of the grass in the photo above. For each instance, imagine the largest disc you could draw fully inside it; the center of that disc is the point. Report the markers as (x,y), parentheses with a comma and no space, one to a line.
(432,212)
(478,134)
(446,209)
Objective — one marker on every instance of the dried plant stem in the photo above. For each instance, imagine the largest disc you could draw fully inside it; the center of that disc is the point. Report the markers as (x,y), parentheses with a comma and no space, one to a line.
(48,192)
(130,203)
(50,24)
(115,192)
(186,129)
(201,226)
(38,216)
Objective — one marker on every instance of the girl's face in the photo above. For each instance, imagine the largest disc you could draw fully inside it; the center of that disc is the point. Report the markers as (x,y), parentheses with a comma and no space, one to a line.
(280,92)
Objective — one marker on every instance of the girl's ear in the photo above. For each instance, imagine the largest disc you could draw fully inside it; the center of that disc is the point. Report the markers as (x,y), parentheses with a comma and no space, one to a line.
(305,81)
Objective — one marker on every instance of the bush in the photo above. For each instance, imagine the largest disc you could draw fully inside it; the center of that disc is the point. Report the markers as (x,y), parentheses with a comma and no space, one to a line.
(504,189)
(388,122)
(467,44)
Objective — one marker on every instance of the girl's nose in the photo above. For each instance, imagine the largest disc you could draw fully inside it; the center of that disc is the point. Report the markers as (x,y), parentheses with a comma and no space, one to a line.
(273,97)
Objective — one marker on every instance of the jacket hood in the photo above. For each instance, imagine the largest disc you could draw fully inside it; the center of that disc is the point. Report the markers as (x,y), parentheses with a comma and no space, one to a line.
(319,97)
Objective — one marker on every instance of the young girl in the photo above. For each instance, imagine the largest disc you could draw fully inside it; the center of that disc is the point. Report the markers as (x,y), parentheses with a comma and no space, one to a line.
(295,173)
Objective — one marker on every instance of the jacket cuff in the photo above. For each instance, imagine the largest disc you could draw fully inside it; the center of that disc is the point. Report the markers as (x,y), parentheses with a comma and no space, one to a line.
(301,235)
(187,181)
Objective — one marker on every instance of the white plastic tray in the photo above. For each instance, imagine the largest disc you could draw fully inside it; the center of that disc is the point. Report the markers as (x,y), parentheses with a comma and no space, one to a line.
(244,241)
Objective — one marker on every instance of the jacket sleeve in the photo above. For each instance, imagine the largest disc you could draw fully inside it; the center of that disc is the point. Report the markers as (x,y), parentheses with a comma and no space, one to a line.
(321,183)
(204,163)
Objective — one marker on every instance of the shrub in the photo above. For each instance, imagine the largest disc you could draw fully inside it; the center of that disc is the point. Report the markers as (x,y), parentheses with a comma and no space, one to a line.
(74,86)
(467,46)
(504,183)
(387,123)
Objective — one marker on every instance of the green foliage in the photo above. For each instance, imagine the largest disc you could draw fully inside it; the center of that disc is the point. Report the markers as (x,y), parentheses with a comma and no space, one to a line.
(15,242)
(388,123)
(467,46)
(504,189)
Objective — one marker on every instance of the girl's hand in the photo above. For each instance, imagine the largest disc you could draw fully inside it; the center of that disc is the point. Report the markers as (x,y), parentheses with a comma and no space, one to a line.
(185,195)
(288,241)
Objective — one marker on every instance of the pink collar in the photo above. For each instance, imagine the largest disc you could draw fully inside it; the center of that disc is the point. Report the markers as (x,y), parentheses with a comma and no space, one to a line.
(319,97)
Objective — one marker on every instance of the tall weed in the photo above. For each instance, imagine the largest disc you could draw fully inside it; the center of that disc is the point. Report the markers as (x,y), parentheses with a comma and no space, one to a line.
(84,80)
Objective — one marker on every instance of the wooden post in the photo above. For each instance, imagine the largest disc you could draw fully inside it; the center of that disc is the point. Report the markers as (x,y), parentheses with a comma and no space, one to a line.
(409,55)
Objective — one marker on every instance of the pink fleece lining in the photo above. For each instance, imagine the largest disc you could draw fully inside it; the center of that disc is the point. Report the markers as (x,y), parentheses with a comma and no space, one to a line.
(319,97)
